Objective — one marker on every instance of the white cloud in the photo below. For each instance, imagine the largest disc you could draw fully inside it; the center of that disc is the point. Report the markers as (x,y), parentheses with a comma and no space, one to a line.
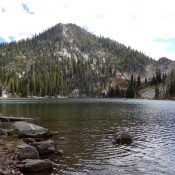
(136,23)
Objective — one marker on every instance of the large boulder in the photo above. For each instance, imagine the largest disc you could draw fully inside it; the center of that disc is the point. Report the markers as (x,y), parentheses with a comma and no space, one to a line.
(45,147)
(35,165)
(123,138)
(24,129)
(27,152)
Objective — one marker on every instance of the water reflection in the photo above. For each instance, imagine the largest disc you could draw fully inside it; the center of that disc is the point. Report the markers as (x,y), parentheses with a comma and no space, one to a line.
(87,124)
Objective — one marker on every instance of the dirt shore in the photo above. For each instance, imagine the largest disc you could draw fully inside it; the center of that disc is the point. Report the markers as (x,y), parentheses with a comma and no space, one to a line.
(8,159)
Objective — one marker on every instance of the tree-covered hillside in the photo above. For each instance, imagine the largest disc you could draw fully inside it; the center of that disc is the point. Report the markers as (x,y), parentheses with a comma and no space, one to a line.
(66,57)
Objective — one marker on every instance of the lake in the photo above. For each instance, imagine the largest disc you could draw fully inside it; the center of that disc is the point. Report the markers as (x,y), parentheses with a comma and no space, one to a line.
(87,125)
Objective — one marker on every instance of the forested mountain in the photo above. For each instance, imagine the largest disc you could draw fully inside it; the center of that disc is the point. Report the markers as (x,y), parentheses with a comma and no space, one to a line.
(67,57)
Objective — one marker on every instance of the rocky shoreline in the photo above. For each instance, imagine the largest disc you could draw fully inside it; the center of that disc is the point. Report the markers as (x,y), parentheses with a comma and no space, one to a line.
(25,148)
(22,148)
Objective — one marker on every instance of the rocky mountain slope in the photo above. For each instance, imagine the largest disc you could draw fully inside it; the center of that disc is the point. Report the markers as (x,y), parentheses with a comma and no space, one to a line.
(66,57)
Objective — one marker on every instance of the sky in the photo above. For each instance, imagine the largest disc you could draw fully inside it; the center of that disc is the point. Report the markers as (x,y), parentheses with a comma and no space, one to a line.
(145,25)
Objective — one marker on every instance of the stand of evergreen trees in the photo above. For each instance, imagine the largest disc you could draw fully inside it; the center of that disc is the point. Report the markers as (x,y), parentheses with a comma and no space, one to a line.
(135,84)
(131,91)
(171,85)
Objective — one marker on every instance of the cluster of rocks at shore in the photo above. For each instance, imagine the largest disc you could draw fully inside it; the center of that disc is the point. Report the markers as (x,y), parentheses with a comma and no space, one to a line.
(27,155)
(33,142)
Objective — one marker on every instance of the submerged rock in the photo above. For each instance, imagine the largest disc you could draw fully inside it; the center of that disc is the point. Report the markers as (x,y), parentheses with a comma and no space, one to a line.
(35,165)
(24,129)
(123,138)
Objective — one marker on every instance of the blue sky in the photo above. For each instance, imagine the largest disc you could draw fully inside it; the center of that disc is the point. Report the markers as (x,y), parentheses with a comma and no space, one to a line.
(145,25)
(170,43)
(2,40)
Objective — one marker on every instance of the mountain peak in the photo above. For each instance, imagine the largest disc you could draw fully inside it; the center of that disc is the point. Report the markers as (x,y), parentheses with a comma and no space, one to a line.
(164,59)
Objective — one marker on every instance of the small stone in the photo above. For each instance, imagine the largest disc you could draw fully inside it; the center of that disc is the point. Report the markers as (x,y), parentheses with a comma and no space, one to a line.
(13,171)
(61,138)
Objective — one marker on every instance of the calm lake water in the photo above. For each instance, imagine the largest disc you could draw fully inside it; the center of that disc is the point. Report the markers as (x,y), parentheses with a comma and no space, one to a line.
(87,124)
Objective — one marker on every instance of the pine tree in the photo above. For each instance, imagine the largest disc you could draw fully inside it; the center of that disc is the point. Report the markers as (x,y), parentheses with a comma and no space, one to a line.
(130,92)
(138,82)
(157,92)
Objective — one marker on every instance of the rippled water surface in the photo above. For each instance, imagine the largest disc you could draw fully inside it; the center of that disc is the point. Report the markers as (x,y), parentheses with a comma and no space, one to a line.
(87,125)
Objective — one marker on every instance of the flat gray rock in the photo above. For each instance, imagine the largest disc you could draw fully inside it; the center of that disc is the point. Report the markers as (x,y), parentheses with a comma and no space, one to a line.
(24,129)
